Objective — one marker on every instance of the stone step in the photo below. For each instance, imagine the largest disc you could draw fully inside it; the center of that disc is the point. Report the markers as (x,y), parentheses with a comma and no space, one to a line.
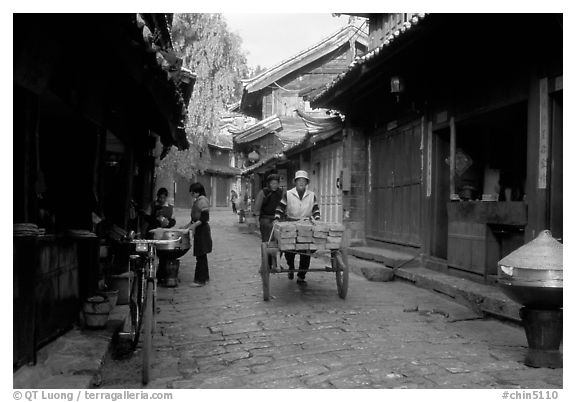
(485,299)
(372,271)
(390,258)
(74,359)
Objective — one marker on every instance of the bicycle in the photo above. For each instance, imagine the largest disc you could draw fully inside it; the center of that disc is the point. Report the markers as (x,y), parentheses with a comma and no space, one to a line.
(143,298)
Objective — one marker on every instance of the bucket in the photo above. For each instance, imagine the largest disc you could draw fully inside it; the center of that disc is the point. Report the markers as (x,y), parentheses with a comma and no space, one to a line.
(110,295)
(96,310)
(171,273)
(122,283)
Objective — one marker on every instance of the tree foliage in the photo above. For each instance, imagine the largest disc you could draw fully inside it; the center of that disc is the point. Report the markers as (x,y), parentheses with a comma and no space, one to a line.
(213,52)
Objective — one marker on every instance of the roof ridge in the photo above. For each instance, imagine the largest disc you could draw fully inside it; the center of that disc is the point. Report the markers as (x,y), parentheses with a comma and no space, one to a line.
(307,50)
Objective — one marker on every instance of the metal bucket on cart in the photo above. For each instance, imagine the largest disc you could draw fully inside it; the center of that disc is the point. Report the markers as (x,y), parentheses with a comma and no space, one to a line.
(172,250)
(169,253)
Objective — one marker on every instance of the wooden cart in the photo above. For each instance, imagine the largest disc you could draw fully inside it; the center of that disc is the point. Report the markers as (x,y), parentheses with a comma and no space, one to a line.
(338,265)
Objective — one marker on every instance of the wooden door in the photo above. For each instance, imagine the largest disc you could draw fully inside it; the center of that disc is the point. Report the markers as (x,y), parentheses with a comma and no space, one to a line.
(394,191)
(182,197)
(326,169)
(222,192)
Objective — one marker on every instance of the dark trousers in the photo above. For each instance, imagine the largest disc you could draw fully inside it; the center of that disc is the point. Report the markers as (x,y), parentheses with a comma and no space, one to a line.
(234,208)
(304,263)
(201,274)
(266,226)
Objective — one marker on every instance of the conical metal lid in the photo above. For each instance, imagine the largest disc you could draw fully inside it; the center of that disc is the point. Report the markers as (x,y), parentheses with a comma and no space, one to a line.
(544,252)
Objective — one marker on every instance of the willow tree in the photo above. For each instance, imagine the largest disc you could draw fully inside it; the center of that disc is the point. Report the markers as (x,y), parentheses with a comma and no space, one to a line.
(213,52)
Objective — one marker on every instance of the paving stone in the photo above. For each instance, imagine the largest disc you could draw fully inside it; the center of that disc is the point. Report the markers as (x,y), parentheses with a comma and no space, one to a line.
(290,371)
(463,380)
(66,381)
(225,336)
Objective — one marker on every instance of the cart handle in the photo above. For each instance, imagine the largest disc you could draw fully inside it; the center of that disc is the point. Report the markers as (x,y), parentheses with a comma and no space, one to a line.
(271,234)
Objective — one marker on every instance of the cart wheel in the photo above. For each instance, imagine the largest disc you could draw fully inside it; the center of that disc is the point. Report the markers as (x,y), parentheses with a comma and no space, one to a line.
(265,273)
(340,265)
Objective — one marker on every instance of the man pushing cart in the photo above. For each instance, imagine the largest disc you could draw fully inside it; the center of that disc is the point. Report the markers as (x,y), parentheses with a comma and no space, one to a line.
(298,230)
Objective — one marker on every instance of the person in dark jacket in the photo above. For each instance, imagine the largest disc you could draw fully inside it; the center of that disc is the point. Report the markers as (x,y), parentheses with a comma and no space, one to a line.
(162,212)
(265,205)
(199,217)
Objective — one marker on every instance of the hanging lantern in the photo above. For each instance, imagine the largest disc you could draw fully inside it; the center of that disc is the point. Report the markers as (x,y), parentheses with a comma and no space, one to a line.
(253,156)
(396,85)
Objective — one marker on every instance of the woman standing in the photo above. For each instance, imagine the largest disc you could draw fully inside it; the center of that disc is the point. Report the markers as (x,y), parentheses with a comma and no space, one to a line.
(200,215)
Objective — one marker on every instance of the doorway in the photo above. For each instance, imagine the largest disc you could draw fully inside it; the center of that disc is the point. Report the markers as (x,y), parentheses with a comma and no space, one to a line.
(440,193)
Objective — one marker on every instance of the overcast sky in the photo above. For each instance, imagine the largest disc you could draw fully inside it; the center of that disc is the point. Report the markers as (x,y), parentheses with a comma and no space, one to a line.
(267,39)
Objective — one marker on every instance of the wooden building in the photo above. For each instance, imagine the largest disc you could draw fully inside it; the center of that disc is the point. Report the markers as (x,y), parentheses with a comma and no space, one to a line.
(216,173)
(278,97)
(221,176)
(98,99)
(453,135)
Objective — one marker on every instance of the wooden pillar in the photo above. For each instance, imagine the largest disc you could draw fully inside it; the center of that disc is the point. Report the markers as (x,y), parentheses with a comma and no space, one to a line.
(426,210)
(538,140)
(213,185)
(25,154)
(129,184)
(452,156)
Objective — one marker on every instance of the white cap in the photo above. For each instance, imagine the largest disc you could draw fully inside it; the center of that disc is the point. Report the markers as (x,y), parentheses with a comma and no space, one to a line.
(301,174)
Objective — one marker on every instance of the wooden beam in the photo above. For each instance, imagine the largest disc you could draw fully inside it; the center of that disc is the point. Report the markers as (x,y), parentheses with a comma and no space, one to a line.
(429,162)
(544,135)
(556,84)
(452,156)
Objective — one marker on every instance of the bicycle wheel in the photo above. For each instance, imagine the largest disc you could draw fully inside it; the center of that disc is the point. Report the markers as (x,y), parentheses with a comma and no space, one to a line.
(340,266)
(136,307)
(148,326)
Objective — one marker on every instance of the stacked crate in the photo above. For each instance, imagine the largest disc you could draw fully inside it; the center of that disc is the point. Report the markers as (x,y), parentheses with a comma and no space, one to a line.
(308,236)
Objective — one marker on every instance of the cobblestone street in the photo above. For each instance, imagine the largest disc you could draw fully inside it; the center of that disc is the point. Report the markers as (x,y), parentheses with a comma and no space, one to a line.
(383,335)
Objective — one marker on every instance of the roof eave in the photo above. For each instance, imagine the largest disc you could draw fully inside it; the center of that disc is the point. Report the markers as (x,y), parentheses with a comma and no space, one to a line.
(329,97)
(317,51)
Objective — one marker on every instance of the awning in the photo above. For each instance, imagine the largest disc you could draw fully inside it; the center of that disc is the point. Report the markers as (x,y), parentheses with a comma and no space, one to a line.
(319,129)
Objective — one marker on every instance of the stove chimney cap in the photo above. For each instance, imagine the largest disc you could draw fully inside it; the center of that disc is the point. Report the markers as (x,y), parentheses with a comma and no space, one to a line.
(542,253)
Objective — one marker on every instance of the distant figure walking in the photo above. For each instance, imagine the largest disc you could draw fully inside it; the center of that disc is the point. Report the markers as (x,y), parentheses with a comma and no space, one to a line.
(233,200)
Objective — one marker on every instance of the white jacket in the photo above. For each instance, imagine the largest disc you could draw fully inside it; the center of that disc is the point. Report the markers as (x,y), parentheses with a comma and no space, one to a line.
(297,208)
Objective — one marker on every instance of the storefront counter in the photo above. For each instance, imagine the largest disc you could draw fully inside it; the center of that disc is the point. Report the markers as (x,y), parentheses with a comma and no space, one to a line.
(480,233)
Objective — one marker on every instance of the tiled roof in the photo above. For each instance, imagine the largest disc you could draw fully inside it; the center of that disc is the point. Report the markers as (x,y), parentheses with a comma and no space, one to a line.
(263,162)
(223,170)
(257,130)
(320,49)
(374,54)
(223,146)
(316,129)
